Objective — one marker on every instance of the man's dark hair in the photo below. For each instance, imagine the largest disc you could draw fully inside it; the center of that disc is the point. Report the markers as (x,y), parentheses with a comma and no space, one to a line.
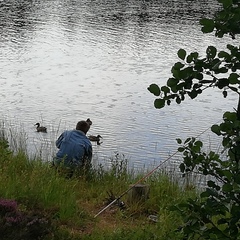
(83,126)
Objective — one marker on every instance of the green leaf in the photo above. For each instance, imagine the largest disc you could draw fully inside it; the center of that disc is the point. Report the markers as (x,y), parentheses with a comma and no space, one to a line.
(154,88)
(223,54)
(165,89)
(210,183)
(179,141)
(181,54)
(233,78)
(216,64)
(181,149)
(227,3)
(176,73)
(216,129)
(205,194)
(178,65)
(182,96)
(174,90)
(224,93)
(172,82)
(225,142)
(180,86)
(230,47)
(227,187)
(159,103)
(192,57)
(187,73)
(193,94)
(189,58)
(220,70)
(188,83)
(228,174)
(222,82)
(237,179)
(199,144)
(208,25)
(199,76)
(230,116)
(211,52)
(219,33)
(178,100)
(182,167)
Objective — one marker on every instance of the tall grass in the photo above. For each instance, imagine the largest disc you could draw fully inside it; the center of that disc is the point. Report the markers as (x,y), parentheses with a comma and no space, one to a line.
(72,203)
(35,183)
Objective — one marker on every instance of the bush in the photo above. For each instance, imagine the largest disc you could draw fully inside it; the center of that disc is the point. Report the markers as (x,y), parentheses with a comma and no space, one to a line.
(16,224)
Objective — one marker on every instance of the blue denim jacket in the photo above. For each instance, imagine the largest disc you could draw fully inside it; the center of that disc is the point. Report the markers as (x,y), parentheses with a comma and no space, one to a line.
(74,149)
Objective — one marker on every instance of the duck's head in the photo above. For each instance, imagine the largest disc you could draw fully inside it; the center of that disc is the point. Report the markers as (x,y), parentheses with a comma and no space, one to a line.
(89,121)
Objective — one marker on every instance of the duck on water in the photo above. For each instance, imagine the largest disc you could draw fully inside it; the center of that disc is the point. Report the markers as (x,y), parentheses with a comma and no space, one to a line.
(95,139)
(44,129)
(40,128)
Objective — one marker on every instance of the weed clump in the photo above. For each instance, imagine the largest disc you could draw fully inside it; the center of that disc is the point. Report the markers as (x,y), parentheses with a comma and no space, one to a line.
(16,224)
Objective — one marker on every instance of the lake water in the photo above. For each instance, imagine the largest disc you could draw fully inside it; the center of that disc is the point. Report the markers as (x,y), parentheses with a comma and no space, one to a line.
(63,61)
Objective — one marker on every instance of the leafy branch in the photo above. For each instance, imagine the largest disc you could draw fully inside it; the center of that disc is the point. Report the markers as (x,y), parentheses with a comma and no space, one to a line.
(192,75)
(215,213)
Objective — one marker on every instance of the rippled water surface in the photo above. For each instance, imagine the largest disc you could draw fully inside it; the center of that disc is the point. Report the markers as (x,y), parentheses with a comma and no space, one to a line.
(63,61)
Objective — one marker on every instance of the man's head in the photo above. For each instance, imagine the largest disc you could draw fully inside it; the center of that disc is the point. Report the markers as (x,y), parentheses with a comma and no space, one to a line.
(83,126)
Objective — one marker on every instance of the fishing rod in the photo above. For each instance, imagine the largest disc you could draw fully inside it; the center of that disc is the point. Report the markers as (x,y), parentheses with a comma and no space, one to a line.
(141,179)
(132,186)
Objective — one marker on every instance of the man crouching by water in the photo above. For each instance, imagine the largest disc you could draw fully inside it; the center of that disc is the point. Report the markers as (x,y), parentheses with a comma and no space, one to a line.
(75,149)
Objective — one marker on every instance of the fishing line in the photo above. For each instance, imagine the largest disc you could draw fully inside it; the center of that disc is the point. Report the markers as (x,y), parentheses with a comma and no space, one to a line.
(144,177)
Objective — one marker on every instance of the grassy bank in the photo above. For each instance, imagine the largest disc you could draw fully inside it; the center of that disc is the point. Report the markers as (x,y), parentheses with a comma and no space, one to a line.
(53,207)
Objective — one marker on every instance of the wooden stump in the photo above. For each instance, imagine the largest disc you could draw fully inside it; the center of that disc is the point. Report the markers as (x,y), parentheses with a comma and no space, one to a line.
(138,193)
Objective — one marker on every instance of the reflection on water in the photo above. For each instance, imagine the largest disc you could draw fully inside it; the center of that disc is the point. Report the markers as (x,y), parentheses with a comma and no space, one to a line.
(63,61)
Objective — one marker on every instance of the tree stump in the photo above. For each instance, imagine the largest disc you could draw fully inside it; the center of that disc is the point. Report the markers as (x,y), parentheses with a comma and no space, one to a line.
(138,193)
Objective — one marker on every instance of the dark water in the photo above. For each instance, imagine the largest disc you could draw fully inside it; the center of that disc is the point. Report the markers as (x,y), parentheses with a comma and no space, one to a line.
(64,61)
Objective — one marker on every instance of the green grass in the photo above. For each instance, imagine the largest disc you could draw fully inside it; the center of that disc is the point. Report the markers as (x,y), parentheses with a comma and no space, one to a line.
(71,204)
